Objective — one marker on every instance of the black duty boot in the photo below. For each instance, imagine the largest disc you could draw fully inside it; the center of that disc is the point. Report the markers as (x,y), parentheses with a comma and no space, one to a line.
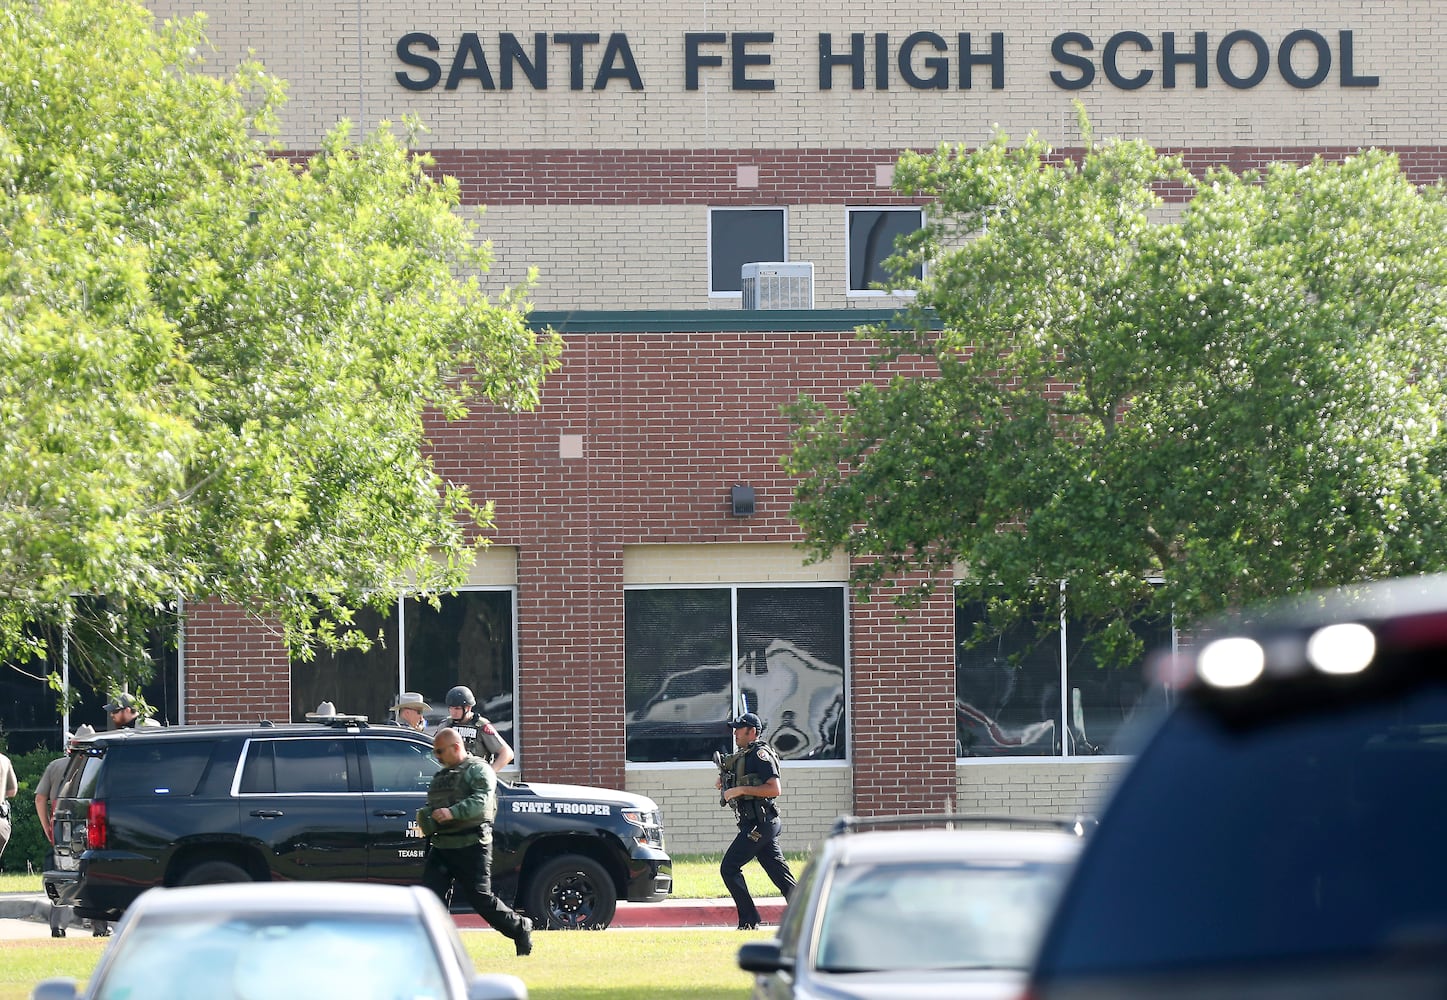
(524,940)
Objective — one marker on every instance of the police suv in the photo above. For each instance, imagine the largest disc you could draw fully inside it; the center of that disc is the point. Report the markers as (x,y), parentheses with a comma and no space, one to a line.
(336,799)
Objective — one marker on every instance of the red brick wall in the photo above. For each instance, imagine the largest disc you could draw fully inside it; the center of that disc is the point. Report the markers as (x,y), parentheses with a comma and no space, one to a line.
(669,422)
(792,176)
(236,666)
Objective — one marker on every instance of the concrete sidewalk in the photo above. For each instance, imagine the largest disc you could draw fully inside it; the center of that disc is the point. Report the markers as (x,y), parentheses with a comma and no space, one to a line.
(28,914)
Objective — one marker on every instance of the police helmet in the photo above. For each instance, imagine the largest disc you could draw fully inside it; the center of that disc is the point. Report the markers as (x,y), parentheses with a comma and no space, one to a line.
(460,697)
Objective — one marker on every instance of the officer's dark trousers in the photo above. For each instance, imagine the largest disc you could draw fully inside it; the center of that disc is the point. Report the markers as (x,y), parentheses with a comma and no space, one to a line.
(471,866)
(771,859)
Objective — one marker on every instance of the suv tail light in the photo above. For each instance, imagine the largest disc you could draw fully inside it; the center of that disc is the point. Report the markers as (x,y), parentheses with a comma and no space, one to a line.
(96,829)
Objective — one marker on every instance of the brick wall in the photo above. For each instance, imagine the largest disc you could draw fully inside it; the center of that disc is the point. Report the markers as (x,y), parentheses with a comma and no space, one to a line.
(235,667)
(694,822)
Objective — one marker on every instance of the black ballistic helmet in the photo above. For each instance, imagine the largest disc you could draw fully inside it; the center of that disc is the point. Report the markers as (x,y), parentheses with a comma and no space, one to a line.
(460,697)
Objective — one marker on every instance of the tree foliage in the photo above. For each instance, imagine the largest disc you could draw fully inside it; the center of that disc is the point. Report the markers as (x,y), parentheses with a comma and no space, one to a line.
(215,363)
(1244,402)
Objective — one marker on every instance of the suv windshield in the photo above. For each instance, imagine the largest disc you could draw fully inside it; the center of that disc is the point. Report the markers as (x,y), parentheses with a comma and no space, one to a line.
(933,915)
(1317,833)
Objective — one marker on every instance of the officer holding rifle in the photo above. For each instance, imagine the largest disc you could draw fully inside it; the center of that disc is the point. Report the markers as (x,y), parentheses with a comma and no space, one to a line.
(749,782)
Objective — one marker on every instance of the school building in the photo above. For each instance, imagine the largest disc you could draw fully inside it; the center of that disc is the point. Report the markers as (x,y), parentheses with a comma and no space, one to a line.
(644,581)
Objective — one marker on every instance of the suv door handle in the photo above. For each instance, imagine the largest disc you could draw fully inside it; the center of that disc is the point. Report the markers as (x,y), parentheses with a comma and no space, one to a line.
(268,813)
(390,813)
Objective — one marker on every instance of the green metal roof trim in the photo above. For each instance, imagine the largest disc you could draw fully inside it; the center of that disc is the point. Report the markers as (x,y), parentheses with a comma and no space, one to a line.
(707,320)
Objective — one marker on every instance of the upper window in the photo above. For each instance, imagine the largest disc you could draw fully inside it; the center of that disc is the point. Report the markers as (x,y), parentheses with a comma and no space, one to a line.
(739,236)
(872,232)
(694,657)
(1025,692)
(467,640)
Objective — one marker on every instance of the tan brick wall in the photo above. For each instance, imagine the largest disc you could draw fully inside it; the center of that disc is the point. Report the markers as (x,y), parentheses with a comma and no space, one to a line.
(648,256)
(694,823)
(815,796)
(1037,788)
(340,58)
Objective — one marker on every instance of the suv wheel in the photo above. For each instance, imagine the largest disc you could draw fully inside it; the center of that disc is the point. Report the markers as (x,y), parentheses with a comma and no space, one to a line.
(571,892)
(214,872)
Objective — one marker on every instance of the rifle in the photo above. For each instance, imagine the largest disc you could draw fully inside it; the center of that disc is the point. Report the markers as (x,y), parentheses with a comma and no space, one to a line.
(726,779)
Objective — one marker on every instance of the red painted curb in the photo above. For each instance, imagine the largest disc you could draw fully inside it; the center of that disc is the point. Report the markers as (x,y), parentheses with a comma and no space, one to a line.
(667,913)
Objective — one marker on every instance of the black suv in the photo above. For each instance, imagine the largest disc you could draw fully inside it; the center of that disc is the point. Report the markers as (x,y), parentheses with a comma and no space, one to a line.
(331,800)
(1284,831)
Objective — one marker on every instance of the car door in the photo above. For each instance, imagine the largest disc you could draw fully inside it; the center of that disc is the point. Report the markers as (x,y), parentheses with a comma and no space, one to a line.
(301,801)
(396,773)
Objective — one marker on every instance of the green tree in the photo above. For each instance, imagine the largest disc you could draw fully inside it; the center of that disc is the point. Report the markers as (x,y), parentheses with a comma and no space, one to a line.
(217,363)
(1244,402)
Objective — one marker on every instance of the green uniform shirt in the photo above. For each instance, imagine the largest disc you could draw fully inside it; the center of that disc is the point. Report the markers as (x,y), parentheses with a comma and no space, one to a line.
(470,791)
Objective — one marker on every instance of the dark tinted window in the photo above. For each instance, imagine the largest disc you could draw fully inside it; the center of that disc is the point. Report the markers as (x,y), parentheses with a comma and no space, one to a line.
(80,778)
(141,768)
(742,236)
(1317,834)
(692,657)
(399,765)
(872,232)
(292,766)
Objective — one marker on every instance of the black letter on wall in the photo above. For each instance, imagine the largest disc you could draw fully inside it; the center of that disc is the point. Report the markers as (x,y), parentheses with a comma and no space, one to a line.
(1223,59)
(1087,69)
(692,60)
(1170,59)
(405,53)
(855,60)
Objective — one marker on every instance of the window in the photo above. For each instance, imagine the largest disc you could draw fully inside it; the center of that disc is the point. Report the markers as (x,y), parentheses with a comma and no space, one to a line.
(694,657)
(295,767)
(29,715)
(1008,689)
(468,639)
(739,236)
(141,770)
(872,232)
(399,766)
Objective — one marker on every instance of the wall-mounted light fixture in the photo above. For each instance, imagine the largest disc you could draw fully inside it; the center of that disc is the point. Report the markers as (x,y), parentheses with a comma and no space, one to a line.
(742,498)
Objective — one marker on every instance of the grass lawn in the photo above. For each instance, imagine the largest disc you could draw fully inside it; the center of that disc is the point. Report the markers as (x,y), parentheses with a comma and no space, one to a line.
(694,964)
(608,965)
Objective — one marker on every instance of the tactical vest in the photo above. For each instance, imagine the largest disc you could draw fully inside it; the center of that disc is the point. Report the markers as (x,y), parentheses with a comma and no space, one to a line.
(751,808)
(451,785)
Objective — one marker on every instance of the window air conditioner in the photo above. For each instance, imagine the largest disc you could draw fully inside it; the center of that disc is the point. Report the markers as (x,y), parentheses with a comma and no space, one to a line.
(778,285)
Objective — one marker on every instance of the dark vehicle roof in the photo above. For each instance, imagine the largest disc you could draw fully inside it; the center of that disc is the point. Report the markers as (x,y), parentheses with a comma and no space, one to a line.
(250,729)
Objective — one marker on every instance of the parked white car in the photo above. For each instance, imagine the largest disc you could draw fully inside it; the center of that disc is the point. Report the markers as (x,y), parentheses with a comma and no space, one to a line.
(953,911)
(286,941)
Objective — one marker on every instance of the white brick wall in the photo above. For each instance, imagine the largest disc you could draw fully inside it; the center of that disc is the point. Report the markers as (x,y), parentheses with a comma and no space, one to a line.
(339,57)
(815,795)
(694,822)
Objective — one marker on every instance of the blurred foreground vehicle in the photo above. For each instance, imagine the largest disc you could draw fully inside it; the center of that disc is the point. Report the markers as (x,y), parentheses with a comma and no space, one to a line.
(914,913)
(1282,833)
(287,941)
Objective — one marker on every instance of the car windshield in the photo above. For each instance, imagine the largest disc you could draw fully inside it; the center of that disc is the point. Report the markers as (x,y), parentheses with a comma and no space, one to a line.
(1317,833)
(934,915)
(274,957)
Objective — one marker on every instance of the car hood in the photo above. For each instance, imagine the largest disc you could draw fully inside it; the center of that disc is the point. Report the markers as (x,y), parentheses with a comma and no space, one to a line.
(994,984)
(584,793)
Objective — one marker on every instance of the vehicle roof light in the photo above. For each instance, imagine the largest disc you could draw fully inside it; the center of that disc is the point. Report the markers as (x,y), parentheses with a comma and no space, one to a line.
(1231,663)
(1345,648)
